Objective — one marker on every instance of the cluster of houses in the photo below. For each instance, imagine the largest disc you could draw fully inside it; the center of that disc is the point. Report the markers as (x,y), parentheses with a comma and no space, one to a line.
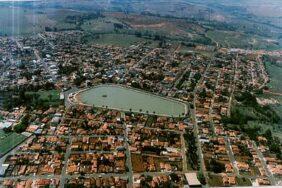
(31,183)
(233,153)
(79,140)
(89,163)
(118,182)
(24,65)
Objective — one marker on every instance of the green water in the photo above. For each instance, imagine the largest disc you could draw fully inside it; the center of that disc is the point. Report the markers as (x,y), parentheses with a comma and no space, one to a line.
(126,99)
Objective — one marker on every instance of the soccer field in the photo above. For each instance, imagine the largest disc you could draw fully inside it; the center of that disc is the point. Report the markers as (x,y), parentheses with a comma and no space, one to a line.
(9,140)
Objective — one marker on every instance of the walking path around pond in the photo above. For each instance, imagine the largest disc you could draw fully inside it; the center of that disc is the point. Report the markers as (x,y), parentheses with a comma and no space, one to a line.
(272,93)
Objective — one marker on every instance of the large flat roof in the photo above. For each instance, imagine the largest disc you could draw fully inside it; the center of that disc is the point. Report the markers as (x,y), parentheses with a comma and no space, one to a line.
(192,179)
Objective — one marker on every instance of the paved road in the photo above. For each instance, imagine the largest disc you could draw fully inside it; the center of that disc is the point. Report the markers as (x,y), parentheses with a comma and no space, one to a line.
(196,128)
(212,102)
(66,94)
(67,155)
(183,151)
(233,87)
(263,162)
(128,157)
(231,156)
(272,93)
(181,76)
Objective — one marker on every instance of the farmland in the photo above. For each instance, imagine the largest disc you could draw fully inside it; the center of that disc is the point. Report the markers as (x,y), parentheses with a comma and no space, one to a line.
(239,40)
(22,21)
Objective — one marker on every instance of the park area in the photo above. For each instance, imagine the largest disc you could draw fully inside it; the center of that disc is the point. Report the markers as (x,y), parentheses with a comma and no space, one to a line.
(9,140)
(44,97)
(131,100)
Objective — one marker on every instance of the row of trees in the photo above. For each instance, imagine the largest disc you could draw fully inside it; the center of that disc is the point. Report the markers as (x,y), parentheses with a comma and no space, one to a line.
(192,153)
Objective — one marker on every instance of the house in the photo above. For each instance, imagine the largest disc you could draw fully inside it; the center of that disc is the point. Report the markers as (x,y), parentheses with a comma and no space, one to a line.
(228,180)
(192,180)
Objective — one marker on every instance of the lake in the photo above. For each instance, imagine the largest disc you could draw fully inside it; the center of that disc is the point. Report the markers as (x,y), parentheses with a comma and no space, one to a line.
(131,100)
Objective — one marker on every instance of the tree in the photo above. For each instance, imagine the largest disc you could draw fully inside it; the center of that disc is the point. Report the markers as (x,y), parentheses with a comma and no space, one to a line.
(50,97)
(138,34)
(203,93)
(7,129)
(21,127)
(197,76)
(216,166)
(201,177)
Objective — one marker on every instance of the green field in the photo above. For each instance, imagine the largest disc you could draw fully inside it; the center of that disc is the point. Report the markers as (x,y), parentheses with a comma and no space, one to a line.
(122,40)
(243,181)
(24,21)
(239,40)
(275,72)
(9,140)
(47,95)
(14,21)
(275,85)
(100,25)
(46,98)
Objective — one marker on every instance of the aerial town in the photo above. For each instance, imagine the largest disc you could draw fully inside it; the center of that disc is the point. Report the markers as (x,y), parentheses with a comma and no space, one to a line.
(139,94)
(70,144)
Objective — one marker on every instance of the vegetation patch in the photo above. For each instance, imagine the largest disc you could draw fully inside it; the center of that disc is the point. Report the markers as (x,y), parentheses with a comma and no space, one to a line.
(215,180)
(191,153)
(9,140)
(243,181)
(248,109)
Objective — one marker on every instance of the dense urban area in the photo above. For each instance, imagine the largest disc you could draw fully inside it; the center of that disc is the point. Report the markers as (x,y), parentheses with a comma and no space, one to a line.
(224,130)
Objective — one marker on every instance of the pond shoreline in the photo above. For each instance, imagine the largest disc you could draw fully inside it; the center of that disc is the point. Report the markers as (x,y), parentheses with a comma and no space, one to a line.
(79,100)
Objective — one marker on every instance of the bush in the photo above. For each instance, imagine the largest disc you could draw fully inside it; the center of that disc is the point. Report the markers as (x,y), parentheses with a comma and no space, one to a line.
(215,166)
(21,127)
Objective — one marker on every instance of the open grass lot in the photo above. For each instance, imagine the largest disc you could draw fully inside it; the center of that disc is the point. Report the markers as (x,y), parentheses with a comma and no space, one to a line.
(47,95)
(14,21)
(50,97)
(100,25)
(24,21)
(275,85)
(122,40)
(243,181)
(275,72)
(239,40)
(215,180)
(9,140)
